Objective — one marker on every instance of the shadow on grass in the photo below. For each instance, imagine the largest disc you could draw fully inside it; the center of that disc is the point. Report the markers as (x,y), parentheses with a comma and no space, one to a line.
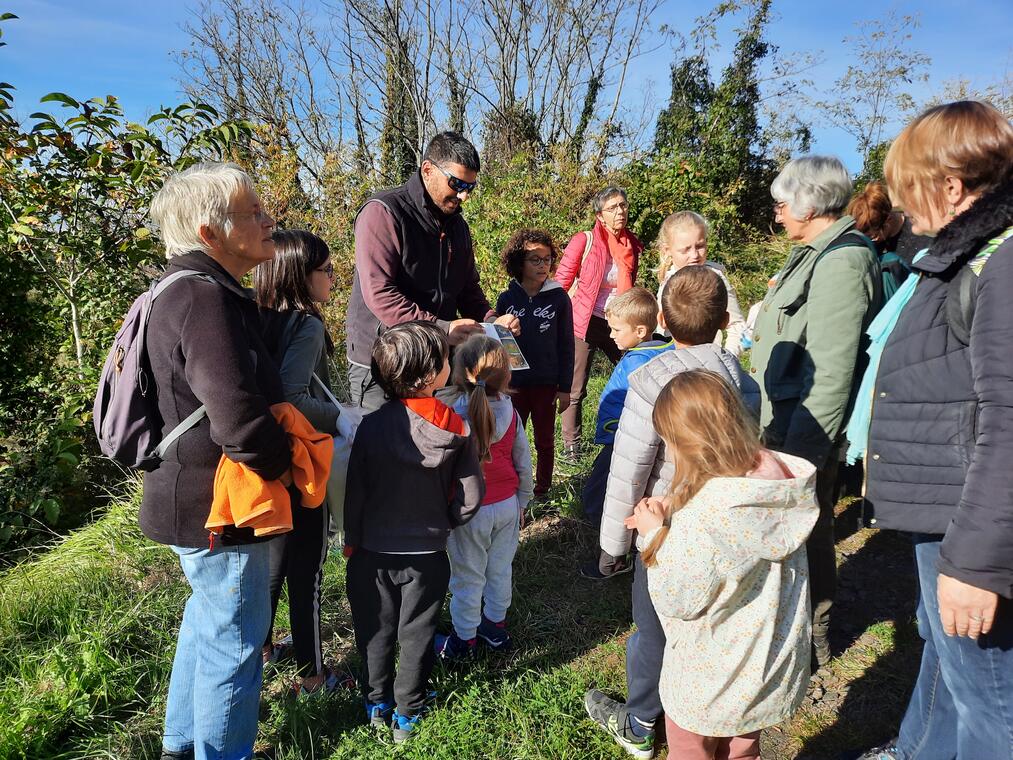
(556,617)
(874,627)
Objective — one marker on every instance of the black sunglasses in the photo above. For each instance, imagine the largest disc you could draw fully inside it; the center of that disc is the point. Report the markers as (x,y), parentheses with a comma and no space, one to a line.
(457,185)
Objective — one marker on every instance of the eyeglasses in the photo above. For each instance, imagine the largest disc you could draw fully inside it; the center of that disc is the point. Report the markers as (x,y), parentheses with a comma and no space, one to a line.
(457,185)
(327,270)
(616,207)
(260,217)
(538,261)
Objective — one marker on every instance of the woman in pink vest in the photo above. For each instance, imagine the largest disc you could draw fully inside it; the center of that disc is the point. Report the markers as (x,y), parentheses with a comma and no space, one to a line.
(482,552)
(596,266)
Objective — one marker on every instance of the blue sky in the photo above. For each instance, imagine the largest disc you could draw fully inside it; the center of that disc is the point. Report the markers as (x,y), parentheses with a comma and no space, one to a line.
(127,49)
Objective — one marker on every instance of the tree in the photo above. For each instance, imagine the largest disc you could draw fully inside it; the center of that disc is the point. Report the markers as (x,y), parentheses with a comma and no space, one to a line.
(74,192)
(872,94)
(681,124)
(76,188)
(998,93)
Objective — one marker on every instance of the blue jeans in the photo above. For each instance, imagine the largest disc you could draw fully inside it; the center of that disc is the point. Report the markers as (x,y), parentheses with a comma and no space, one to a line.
(962,705)
(214,691)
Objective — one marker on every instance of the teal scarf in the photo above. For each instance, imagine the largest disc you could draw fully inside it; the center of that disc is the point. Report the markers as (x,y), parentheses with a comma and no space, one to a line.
(878,332)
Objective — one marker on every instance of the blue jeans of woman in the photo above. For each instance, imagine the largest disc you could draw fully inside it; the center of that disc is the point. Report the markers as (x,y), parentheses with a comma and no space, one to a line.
(962,705)
(214,691)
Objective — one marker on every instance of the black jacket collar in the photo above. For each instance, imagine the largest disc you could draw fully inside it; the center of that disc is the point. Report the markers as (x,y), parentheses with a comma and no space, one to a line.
(425,210)
(199,261)
(963,237)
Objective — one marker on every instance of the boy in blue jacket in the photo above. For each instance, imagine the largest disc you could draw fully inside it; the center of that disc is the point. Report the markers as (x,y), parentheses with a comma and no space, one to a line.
(632,317)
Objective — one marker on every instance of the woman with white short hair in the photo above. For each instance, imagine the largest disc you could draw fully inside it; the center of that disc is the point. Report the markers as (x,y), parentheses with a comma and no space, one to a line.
(808,345)
(204,348)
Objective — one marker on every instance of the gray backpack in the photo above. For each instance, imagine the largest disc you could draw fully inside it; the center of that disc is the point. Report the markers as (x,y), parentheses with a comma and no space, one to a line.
(126,416)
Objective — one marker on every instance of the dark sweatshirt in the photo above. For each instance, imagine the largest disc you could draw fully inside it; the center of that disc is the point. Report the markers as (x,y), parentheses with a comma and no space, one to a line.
(205,347)
(409,483)
(546,334)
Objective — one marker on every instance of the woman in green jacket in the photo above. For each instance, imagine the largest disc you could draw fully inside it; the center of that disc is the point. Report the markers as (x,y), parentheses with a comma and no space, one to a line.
(808,345)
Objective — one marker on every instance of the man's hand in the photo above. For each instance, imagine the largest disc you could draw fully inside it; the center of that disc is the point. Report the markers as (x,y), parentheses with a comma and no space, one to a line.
(562,401)
(965,610)
(510,322)
(462,329)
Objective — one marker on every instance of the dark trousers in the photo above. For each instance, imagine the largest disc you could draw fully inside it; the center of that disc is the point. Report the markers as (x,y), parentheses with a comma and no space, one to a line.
(597,337)
(297,558)
(396,598)
(820,549)
(645,650)
(364,392)
(593,495)
(539,403)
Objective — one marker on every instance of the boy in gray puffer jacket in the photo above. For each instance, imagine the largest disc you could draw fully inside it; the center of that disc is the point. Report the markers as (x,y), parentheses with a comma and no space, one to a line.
(694,304)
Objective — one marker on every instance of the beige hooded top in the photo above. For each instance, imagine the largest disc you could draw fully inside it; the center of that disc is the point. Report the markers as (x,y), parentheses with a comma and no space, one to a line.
(731,587)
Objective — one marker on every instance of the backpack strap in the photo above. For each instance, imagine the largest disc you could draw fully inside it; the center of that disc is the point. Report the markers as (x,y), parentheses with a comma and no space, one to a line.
(960,309)
(847,240)
(157,288)
(587,249)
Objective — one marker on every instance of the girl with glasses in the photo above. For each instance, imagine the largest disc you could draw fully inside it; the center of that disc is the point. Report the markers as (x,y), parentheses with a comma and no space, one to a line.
(295,285)
(546,338)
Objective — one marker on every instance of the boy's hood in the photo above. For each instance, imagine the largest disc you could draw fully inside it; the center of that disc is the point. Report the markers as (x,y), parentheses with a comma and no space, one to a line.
(750,516)
(502,408)
(422,435)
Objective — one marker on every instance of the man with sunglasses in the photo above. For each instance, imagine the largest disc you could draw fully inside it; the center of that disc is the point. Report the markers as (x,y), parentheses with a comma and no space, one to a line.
(414,260)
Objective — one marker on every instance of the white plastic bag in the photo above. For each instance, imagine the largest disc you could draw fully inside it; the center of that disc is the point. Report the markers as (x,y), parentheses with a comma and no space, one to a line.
(348,423)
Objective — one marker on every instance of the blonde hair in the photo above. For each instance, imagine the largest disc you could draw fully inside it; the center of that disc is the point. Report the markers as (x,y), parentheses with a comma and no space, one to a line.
(968,140)
(680,220)
(708,434)
(194,197)
(636,307)
(481,370)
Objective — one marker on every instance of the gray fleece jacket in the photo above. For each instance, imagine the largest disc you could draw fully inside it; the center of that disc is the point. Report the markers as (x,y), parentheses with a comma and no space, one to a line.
(640,466)
(304,355)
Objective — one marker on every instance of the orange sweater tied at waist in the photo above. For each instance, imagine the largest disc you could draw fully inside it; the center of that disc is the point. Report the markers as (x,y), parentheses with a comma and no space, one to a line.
(244,499)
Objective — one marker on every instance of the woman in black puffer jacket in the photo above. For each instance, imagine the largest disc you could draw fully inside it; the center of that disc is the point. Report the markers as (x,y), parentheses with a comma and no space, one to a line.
(940,453)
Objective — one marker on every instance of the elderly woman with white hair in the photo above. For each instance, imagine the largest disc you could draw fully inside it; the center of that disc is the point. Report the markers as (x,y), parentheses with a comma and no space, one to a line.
(808,345)
(204,349)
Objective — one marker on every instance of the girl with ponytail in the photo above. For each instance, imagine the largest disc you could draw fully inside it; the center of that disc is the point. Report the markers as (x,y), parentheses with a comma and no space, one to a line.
(727,572)
(482,551)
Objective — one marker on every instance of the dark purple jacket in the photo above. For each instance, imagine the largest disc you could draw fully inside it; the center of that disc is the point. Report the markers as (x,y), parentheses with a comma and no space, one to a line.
(204,347)
(411,262)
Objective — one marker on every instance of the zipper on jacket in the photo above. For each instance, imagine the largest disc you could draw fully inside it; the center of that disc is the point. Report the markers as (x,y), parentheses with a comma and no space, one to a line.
(439,273)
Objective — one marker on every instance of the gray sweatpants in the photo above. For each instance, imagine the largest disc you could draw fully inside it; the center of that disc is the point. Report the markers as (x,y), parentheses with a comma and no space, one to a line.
(481,565)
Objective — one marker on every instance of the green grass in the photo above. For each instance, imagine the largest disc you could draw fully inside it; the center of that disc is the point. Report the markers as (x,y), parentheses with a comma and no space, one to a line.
(89,630)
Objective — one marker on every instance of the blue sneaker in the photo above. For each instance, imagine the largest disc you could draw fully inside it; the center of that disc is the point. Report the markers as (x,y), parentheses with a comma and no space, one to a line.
(494,635)
(379,714)
(453,648)
(402,726)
